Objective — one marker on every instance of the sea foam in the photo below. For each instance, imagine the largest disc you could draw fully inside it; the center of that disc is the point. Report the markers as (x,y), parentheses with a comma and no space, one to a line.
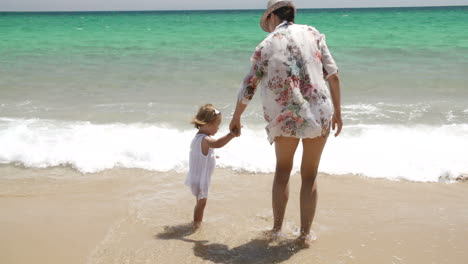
(417,153)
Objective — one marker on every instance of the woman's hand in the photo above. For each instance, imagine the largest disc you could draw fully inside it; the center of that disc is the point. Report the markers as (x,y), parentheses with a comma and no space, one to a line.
(335,90)
(235,126)
(336,122)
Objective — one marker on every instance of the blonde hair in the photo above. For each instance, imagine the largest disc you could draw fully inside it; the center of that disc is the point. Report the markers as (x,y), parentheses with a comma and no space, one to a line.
(206,114)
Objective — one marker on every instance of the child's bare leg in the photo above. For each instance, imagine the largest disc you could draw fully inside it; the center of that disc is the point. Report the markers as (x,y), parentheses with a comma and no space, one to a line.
(198,213)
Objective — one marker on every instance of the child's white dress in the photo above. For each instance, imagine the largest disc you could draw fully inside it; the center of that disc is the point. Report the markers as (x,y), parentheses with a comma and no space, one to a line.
(200,168)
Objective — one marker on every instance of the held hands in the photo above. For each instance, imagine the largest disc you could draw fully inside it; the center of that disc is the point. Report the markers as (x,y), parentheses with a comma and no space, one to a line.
(235,127)
(336,122)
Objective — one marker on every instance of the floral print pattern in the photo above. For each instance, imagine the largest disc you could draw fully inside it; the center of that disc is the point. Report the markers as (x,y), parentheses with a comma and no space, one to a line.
(291,66)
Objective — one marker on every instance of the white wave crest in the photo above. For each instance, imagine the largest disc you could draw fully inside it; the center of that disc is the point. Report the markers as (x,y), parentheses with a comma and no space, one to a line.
(417,153)
(92,147)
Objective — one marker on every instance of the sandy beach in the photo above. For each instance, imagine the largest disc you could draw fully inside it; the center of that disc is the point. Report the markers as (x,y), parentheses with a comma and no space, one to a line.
(135,216)
(95,133)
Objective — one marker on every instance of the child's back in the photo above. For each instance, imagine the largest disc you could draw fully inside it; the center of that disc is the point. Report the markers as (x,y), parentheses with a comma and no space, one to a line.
(200,168)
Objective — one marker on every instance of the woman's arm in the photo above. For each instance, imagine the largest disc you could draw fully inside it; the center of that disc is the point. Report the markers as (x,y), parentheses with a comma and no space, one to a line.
(235,125)
(330,70)
(334,83)
(248,88)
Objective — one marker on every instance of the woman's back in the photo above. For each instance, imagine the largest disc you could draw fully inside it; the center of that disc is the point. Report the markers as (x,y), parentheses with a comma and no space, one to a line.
(290,64)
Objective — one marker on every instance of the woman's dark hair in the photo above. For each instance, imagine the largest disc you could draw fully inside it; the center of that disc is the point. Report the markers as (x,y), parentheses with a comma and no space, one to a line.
(285,13)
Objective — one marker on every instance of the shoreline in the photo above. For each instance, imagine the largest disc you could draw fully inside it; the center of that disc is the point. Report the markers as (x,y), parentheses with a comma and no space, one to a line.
(61,216)
(261,10)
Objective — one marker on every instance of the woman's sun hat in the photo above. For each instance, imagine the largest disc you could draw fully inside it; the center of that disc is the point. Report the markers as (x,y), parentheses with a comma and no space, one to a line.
(272,6)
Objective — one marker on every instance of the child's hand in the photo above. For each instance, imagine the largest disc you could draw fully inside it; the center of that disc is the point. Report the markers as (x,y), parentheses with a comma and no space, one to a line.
(235,127)
(234,132)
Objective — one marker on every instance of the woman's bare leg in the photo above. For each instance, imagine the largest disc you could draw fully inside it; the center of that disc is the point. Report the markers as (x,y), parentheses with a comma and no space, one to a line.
(285,147)
(310,162)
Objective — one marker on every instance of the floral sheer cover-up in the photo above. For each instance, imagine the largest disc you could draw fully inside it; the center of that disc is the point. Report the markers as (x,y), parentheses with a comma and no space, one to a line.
(291,66)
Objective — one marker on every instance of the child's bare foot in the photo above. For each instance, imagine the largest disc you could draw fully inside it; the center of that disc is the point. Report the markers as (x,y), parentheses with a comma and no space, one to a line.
(305,240)
(196,226)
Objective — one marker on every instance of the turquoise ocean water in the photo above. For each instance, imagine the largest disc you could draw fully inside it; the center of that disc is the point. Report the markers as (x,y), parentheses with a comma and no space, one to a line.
(123,85)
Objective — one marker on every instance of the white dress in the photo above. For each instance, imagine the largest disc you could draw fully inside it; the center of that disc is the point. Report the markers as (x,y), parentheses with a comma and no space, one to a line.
(291,67)
(200,168)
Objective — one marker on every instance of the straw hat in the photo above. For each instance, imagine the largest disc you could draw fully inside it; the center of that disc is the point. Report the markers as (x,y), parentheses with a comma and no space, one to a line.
(272,6)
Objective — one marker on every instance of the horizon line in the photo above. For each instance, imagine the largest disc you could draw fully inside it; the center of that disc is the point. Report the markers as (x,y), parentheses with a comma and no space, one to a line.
(220,9)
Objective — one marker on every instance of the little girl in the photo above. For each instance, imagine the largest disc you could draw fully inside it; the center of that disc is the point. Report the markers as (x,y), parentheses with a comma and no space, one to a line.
(202,158)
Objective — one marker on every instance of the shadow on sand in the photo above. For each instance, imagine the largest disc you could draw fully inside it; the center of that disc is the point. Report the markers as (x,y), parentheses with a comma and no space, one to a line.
(176,232)
(255,251)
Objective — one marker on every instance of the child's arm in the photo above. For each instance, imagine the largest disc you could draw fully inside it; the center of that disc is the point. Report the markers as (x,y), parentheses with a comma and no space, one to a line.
(209,142)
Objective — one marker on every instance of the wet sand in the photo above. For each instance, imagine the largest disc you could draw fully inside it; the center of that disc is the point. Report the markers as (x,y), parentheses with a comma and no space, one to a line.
(134,216)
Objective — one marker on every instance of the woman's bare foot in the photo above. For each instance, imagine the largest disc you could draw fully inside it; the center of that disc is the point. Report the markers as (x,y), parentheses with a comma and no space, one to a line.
(274,235)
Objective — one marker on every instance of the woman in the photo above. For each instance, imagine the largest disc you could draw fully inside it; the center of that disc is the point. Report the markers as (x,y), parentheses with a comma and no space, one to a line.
(292,66)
